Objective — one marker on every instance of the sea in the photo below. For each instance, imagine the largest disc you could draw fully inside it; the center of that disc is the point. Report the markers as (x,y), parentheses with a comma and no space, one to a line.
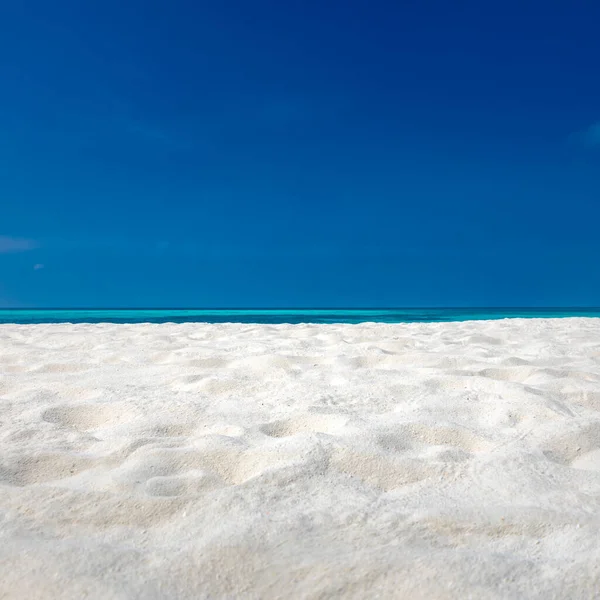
(284,315)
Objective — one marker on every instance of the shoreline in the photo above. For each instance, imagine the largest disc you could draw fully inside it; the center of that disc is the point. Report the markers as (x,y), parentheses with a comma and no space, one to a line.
(291,316)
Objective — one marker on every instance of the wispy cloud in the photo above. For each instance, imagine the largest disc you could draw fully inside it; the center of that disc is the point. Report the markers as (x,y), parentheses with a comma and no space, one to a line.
(589,137)
(592,135)
(10,244)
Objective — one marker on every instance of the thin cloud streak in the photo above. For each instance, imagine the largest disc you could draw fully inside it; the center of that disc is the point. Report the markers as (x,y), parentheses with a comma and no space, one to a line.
(589,137)
(11,245)
(592,135)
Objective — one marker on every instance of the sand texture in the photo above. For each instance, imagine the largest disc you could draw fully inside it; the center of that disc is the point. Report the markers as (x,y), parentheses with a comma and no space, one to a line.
(451,460)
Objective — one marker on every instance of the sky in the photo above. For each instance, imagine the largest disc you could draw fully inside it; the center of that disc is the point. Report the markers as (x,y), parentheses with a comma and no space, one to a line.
(299,154)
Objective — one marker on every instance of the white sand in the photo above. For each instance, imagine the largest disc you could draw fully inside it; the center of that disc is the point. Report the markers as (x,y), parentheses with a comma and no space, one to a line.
(310,461)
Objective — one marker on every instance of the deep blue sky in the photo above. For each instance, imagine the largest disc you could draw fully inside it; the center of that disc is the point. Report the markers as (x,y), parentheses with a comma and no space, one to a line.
(299,153)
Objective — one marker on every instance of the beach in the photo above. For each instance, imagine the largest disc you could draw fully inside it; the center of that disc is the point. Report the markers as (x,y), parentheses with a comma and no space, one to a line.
(437,460)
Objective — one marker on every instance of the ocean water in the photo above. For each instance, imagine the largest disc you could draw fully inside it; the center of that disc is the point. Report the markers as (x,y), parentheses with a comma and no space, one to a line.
(387,315)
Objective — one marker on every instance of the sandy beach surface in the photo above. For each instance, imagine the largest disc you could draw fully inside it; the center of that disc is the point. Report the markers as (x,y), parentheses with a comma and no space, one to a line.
(449,460)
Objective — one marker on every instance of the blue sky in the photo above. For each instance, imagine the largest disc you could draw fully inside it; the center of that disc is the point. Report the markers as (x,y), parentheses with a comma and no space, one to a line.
(268,153)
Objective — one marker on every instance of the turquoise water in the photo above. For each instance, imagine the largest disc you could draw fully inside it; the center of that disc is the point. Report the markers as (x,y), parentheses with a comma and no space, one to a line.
(388,315)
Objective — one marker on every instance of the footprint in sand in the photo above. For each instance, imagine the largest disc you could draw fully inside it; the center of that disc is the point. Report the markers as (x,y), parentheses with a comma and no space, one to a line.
(46,467)
(313,423)
(84,417)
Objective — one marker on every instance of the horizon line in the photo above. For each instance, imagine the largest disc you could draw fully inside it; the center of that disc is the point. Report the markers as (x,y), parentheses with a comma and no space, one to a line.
(300,308)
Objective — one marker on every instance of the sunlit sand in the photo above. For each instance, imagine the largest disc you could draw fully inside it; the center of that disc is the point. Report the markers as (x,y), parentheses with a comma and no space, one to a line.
(447,460)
